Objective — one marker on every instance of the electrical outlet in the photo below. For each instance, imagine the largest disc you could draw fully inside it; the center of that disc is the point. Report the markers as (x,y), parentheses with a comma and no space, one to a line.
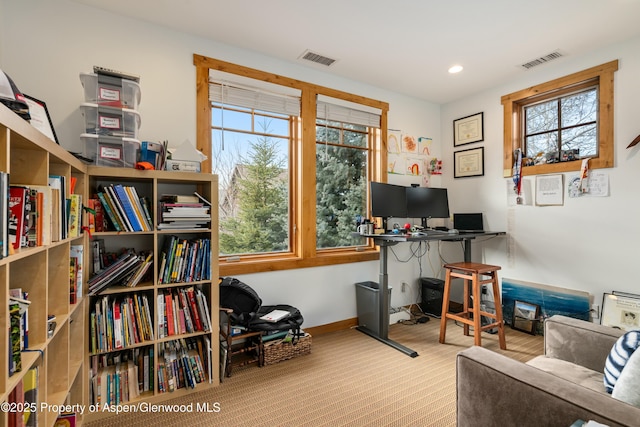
(595,311)
(404,287)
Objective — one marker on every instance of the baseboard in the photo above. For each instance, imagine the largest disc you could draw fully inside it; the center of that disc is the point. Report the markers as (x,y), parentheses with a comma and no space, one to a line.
(332,327)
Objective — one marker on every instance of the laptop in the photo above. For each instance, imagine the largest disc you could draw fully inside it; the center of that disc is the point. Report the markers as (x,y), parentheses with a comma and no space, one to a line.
(468,222)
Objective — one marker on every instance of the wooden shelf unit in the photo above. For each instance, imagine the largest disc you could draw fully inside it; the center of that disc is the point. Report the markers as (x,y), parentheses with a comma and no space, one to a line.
(153,184)
(29,158)
(64,359)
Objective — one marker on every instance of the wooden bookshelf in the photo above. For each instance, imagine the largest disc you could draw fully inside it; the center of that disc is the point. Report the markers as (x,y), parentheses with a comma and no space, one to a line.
(152,185)
(29,158)
(64,358)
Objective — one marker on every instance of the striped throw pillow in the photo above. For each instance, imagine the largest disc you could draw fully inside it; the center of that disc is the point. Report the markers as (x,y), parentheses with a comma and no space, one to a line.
(618,357)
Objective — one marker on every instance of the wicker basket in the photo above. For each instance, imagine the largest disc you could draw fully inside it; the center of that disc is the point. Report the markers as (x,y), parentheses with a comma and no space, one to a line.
(278,351)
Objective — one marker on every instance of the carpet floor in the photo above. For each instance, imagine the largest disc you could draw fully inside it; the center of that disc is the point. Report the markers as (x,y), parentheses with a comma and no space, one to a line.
(349,379)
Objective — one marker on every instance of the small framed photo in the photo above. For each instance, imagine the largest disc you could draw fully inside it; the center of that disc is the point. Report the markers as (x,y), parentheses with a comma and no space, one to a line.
(525,316)
(621,310)
(468,129)
(40,118)
(468,163)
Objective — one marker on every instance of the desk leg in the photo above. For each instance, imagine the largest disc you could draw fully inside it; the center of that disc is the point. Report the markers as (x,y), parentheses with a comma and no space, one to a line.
(467,250)
(383,334)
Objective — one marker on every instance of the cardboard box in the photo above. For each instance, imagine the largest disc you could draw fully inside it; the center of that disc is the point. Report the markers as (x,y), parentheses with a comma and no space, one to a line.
(182,165)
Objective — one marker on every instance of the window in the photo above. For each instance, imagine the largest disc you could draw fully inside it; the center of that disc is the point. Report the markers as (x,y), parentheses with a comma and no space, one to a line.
(343,138)
(293,161)
(560,122)
(251,142)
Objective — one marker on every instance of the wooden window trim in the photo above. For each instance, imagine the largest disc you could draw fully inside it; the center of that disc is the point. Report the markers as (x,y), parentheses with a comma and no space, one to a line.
(304,253)
(512,107)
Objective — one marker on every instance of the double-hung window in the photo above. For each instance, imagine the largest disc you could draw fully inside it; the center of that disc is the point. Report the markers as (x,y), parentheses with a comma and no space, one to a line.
(294,160)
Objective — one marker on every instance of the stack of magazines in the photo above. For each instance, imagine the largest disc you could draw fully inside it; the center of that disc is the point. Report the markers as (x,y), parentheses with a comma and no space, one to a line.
(127,270)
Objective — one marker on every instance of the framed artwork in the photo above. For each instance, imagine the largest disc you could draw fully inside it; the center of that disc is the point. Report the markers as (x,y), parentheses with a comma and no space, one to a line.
(468,163)
(468,129)
(525,316)
(40,118)
(621,310)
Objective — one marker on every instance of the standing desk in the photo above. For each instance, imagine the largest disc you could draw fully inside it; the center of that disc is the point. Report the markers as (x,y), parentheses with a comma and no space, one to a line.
(386,240)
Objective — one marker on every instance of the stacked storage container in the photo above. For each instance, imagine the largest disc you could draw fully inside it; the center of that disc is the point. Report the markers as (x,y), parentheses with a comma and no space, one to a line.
(111,119)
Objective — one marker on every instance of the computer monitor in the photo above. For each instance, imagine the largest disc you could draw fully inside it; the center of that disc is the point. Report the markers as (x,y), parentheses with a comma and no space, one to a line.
(388,201)
(427,202)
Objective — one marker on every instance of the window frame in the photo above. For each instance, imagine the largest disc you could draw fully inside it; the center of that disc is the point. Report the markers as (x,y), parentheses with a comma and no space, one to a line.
(602,76)
(303,171)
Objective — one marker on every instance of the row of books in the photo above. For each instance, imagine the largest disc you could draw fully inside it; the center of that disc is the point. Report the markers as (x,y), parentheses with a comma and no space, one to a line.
(184,363)
(120,377)
(117,322)
(124,209)
(184,212)
(127,270)
(37,215)
(182,311)
(22,399)
(185,260)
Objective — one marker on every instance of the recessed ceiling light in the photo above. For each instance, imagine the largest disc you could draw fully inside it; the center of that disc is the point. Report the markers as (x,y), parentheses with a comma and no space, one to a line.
(455,69)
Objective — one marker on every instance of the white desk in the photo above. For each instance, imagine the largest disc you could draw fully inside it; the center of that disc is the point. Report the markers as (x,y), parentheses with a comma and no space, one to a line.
(386,240)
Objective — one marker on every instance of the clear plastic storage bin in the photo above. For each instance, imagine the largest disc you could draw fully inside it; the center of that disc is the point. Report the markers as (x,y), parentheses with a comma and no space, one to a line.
(110,91)
(109,121)
(111,151)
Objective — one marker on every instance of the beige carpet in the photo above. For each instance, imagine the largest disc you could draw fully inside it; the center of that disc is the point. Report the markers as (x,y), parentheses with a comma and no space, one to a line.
(349,379)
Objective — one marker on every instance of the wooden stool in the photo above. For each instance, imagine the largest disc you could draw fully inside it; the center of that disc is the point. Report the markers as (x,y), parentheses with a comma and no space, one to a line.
(472,271)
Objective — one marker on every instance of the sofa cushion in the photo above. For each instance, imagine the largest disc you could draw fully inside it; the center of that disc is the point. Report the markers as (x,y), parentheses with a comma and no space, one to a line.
(626,388)
(618,357)
(569,371)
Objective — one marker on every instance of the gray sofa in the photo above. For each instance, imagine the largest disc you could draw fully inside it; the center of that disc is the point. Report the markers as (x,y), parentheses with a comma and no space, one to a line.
(557,389)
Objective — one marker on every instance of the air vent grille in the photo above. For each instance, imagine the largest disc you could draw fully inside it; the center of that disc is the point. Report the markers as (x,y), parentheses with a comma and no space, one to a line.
(542,60)
(317,58)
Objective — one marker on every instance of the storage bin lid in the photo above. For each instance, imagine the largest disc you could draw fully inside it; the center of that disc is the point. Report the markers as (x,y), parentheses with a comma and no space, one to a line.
(130,96)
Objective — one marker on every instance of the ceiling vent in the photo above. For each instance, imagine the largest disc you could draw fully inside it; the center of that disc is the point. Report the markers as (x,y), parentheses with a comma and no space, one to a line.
(542,60)
(307,55)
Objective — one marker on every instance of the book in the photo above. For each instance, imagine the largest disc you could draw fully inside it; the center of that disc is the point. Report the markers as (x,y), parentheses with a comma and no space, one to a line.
(65,420)
(76,253)
(18,216)
(30,397)
(275,315)
(4,214)
(122,203)
(75,214)
(110,211)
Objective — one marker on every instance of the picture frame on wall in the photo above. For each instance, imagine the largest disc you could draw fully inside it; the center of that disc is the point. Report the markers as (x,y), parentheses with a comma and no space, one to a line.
(467,130)
(621,310)
(40,117)
(467,163)
(525,316)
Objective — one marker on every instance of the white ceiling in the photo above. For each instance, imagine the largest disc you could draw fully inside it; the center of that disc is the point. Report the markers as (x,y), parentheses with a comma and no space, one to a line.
(404,46)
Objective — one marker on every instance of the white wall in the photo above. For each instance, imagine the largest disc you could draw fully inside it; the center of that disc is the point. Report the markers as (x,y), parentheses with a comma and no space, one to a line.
(45,44)
(589,243)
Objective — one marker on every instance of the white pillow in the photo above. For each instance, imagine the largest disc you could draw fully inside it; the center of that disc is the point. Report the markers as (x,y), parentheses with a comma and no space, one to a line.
(627,387)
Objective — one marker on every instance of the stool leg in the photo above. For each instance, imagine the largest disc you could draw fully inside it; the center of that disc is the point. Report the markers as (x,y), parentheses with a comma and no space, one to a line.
(498,308)
(466,283)
(445,306)
(475,282)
